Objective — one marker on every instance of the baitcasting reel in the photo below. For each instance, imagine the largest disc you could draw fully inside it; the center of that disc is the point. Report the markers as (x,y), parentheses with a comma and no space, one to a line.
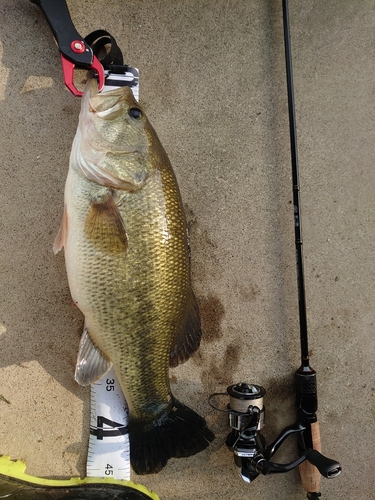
(252,455)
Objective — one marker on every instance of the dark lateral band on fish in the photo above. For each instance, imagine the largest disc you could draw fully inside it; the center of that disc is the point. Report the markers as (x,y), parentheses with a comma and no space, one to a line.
(127,257)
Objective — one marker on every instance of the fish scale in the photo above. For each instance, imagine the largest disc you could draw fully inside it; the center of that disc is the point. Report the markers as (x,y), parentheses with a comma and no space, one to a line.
(118,310)
(127,258)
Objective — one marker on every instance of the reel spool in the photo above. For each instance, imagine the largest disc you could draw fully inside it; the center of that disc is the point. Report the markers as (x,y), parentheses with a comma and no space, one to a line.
(242,399)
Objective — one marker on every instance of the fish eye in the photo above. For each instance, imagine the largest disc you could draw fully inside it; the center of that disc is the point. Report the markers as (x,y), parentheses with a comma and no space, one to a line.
(135,113)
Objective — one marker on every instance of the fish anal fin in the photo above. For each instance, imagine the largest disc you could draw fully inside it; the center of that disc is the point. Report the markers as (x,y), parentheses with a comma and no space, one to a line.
(62,234)
(91,362)
(105,226)
(188,338)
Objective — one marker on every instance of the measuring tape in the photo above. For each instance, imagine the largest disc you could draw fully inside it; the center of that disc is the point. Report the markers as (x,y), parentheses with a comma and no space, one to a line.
(109,449)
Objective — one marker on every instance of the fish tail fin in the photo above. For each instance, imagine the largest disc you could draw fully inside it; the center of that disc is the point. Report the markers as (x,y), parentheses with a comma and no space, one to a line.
(179,433)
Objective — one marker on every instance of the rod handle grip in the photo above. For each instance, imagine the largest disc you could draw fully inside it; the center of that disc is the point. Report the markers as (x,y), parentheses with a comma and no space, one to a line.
(310,475)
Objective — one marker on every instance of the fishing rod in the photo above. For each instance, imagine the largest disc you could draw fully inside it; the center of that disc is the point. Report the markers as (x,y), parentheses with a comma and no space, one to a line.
(246,410)
(306,384)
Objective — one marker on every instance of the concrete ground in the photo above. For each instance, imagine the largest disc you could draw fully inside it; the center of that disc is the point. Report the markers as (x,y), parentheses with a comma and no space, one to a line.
(213,83)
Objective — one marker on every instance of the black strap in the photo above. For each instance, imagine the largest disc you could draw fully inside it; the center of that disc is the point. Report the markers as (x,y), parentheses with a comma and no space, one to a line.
(97,40)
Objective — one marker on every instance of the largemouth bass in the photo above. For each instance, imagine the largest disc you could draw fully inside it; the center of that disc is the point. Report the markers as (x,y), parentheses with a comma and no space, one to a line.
(127,259)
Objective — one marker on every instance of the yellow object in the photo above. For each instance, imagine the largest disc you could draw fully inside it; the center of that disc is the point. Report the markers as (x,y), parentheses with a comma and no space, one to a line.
(15,470)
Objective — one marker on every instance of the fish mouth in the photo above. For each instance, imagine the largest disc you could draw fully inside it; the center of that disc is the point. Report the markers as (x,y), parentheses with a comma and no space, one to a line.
(108,104)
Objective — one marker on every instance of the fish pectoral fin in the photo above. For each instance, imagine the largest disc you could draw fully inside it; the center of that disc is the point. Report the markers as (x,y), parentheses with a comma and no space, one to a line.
(61,236)
(188,338)
(105,226)
(91,362)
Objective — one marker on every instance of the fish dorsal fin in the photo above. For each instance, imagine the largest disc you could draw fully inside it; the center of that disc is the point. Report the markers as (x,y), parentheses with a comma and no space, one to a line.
(91,362)
(61,236)
(105,226)
(188,338)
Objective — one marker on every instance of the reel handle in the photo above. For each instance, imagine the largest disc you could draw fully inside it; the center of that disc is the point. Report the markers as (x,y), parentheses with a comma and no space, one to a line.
(327,467)
(317,465)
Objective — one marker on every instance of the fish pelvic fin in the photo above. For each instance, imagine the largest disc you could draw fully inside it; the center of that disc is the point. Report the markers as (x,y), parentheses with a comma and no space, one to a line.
(62,234)
(105,226)
(179,433)
(91,362)
(188,338)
